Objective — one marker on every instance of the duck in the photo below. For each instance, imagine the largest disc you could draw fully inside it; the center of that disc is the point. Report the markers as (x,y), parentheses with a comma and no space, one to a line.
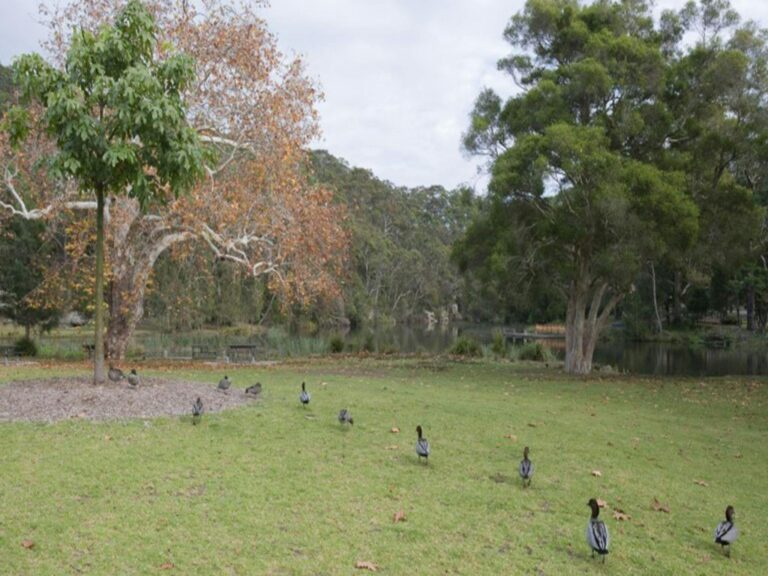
(422,445)
(726,532)
(597,532)
(225,383)
(345,416)
(526,468)
(254,390)
(133,378)
(197,410)
(115,374)
(304,396)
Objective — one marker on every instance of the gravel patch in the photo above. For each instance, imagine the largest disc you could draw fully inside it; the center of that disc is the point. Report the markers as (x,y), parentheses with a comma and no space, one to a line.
(56,399)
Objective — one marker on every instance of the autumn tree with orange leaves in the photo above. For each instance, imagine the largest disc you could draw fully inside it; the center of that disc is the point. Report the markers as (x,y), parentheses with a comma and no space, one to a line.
(255,111)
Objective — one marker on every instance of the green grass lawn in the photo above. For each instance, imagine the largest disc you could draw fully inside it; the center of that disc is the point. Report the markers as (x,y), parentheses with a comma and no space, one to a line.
(274,488)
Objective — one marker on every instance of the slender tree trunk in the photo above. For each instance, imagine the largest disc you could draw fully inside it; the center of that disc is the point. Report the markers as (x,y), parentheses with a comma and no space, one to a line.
(751,308)
(677,308)
(659,326)
(98,352)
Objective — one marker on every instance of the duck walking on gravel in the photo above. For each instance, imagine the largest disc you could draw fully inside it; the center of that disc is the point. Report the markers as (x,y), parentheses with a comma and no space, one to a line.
(726,532)
(197,411)
(133,378)
(254,390)
(304,396)
(597,532)
(225,383)
(422,446)
(115,374)
(526,468)
(345,416)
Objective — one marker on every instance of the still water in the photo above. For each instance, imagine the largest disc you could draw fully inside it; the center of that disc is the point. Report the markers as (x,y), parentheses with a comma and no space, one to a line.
(633,357)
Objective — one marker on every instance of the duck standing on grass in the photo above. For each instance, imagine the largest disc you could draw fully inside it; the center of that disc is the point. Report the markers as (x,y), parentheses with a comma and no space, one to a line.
(422,446)
(345,416)
(115,374)
(597,532)
(254,390)
(726,532)
(526,468)
(225,383)
(304,396)
(133,378)
(197,411)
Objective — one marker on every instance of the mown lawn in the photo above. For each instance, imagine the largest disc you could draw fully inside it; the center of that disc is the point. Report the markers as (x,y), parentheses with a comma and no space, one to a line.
(274,488)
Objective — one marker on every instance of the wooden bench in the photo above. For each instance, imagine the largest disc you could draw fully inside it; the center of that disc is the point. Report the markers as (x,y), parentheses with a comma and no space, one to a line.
(242,351)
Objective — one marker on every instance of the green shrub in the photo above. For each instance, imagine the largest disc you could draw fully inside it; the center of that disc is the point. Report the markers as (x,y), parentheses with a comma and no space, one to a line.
(535,352)
(368,343)
(466,346)
(25,347)
(337,345)
(499,343)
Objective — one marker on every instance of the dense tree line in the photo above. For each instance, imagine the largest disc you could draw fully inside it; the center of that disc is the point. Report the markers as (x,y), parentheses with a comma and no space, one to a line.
(630,157)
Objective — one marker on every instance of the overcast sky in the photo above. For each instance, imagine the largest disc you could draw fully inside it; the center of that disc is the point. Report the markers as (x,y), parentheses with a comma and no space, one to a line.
(399,76)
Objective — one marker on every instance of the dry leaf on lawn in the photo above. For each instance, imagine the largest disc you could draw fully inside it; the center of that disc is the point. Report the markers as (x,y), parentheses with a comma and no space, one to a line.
(511,437)
(659,507)
(700,482)
(597,473)
(363,565)
(166,566)
(395,430)
(619,514)
(601,503)
(28,544)
(399,516)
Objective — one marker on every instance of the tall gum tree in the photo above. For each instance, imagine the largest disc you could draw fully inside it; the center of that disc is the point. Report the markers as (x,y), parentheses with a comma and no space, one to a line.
(117,116)
(254,109)
(580,195)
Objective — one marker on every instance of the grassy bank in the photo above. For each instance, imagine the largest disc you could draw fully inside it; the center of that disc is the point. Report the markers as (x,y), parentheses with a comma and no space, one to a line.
(277,489)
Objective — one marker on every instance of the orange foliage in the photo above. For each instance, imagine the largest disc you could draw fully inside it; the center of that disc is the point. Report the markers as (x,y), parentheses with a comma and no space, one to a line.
(255,108)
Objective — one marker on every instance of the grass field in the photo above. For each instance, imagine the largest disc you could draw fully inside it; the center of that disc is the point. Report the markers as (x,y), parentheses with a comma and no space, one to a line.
(274,488)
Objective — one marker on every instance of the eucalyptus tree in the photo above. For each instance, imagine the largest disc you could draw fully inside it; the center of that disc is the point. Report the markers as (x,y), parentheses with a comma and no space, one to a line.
(116,112)
(580,195)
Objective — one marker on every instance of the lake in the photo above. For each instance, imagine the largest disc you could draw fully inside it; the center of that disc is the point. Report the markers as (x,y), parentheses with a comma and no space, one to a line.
(276,343)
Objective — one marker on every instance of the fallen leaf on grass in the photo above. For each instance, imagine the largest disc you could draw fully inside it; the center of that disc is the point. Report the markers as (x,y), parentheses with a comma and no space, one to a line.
(601,503)
(399,516)
(511,437)
(395,430)
(107,438)
(700,482)
(659,507)
(531,424)
(619,514)
(597,473)
(28,544)
(392,447)
(366,566)
(166,566)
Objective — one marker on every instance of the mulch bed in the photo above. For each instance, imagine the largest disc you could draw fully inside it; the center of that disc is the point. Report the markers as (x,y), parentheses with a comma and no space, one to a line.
(56,399)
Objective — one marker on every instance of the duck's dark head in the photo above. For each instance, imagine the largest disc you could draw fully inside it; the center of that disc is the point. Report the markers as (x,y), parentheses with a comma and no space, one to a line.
(303,386)
(595,508)
(525,452)
(730,513)
(133,371)
(418,430)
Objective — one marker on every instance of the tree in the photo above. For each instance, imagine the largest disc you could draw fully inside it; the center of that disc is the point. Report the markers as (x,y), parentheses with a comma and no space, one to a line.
(24,253)
(254,111)
(118,118)
(581,195)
